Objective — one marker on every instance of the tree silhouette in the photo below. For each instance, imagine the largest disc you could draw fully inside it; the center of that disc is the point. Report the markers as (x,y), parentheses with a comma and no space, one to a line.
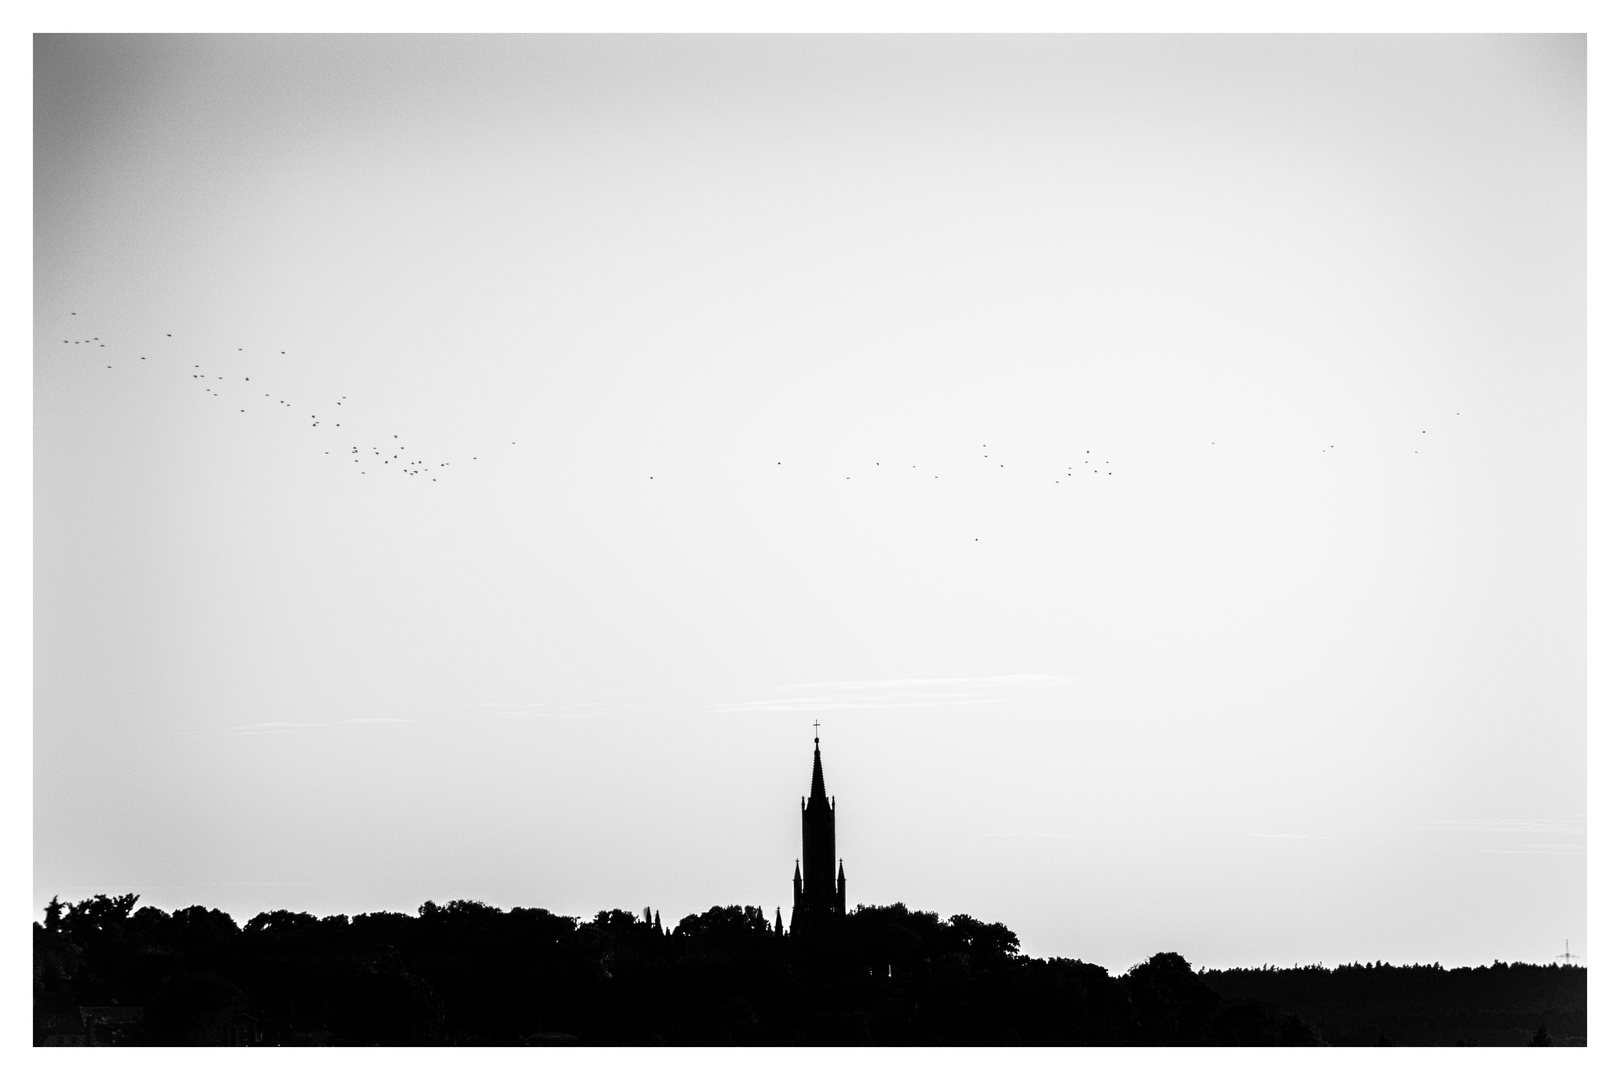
(468,973)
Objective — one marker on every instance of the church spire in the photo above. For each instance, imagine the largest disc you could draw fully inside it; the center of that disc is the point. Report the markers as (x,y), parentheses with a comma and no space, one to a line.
(817,896)
(818,786)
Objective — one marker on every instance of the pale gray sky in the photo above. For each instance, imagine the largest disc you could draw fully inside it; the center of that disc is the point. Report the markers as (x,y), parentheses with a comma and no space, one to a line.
(1157,461)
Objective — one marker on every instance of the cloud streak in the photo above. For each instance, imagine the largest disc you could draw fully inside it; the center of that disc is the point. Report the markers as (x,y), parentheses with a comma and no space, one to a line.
(541,710)
(277,727)
(894,693)
(1573,824)
(1516,835)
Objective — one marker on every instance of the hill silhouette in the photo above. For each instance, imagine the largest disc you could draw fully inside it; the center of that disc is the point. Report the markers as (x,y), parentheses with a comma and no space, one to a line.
(466,973)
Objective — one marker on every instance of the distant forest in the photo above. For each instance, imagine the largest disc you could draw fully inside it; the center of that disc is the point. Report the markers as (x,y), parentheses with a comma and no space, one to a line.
(468,974)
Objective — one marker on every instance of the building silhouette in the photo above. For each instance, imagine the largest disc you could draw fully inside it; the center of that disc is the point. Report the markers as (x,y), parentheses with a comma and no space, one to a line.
(818,894)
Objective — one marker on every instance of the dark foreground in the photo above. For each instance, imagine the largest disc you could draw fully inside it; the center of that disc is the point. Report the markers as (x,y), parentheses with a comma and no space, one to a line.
(468,974)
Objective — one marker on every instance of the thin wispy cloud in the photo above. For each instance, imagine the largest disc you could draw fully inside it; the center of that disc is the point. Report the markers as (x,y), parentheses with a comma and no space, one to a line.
(543,710)
(278,727)
(894,693)
(1572,824)
(1511,836)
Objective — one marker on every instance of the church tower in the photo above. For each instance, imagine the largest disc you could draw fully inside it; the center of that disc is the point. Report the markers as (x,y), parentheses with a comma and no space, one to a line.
(818,894)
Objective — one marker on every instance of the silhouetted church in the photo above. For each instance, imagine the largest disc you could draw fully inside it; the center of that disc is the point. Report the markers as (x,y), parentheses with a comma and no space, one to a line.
(817,896)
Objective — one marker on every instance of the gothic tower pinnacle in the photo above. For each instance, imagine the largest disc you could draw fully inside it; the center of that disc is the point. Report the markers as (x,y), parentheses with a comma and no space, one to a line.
(819,895)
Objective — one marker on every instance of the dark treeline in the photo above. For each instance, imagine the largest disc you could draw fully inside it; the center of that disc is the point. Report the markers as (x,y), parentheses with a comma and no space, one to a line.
(465,973)
(1424,1004)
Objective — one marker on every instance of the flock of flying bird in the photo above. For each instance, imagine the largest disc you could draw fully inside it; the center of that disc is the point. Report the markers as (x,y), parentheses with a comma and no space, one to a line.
(369,458)
(1068,470)
(217,381)
(393,455)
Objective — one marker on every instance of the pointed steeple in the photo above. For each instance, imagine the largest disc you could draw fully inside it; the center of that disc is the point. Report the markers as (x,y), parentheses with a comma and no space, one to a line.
(818,786)
(817,893)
